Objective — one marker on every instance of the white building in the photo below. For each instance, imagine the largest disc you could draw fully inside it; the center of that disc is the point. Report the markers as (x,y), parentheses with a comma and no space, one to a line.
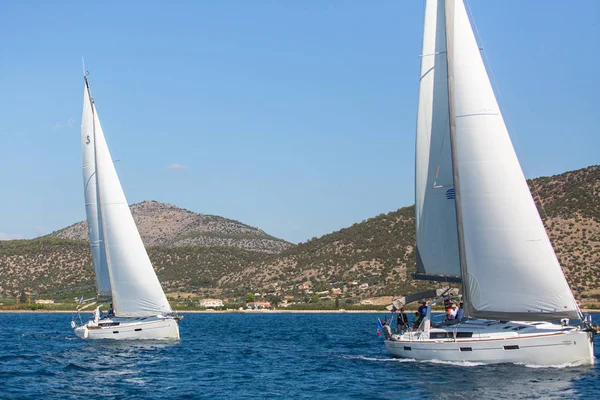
(42,301)
(211,303)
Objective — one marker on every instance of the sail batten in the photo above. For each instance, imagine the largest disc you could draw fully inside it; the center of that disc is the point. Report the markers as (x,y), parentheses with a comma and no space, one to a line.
(508,266)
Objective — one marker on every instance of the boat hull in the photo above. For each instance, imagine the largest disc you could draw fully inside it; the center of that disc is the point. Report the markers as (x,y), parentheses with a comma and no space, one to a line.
(153,328)
(573,347)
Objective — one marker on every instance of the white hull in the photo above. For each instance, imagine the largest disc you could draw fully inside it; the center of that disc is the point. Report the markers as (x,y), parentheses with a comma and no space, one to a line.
(151,328)
(542,344)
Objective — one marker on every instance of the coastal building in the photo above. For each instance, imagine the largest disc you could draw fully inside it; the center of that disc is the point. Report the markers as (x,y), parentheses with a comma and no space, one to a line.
(44,301)
(258,305)
(211,303)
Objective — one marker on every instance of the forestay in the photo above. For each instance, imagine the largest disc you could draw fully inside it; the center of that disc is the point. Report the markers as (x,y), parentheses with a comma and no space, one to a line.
(136,290)
(509,269)
(437,241)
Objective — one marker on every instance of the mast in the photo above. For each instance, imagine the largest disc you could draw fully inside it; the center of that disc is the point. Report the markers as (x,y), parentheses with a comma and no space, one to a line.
(449,16)
(99,203)
(92,195)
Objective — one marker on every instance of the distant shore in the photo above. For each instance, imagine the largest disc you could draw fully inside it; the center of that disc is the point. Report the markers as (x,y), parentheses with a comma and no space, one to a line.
(207,311)
(278,311)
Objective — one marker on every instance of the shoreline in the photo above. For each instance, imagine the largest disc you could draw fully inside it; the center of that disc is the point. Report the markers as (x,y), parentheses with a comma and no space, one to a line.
(204,311)
(278,311)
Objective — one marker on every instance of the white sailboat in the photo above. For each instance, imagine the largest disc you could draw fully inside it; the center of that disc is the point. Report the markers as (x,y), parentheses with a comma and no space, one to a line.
(122,267)
(477,222)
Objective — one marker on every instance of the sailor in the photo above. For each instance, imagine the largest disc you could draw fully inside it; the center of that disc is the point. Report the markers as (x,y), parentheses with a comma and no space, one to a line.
(402,320)
(460,313)
(97,314)
(417,320)
(111,311)
(423,310)
(453,312)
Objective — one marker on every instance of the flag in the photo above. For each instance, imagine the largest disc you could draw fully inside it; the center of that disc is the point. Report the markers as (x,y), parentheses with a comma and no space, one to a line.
(379,327)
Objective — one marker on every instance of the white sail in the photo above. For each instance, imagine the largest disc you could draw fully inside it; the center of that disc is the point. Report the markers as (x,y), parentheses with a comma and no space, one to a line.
(91,197)
(437,241)
(509,269)
(136,290)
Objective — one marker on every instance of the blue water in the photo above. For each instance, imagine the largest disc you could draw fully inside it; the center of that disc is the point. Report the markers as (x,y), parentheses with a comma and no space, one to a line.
(240,356)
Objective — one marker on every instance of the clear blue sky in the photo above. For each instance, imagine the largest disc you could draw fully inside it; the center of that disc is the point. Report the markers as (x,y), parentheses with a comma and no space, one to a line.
(294,116)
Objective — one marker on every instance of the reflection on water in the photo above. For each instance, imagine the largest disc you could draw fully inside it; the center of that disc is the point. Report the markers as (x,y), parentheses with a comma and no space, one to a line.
(304,356)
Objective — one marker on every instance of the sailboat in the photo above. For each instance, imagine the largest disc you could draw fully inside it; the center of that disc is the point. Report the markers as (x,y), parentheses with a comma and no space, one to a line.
(477,222)
(124,274)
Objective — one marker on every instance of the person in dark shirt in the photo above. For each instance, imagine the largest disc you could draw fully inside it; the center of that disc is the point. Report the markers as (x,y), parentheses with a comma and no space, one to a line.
(423,310)
(402,320)
(417,320)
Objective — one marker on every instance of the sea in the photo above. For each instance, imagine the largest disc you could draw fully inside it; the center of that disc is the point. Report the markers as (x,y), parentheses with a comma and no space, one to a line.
(258,356)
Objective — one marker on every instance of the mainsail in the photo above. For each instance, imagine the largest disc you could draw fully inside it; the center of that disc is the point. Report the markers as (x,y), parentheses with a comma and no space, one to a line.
(136,290)
(437,241)
(509,269)
(92,210)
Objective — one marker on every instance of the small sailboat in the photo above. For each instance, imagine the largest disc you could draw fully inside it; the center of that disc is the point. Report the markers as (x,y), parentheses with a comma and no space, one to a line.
(477,223)
(124,275)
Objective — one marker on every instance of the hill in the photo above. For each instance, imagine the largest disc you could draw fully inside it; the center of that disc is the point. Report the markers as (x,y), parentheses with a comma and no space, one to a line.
(162,224)
(371,258)
(380,250)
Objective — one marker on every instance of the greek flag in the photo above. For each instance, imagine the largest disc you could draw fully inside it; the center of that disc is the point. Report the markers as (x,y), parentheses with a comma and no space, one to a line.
(450,194)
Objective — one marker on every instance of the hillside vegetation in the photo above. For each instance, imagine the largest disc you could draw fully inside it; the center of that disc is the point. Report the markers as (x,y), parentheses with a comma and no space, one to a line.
(206,255)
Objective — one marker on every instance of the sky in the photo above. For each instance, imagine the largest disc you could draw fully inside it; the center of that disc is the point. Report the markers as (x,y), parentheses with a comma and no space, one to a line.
(297,117)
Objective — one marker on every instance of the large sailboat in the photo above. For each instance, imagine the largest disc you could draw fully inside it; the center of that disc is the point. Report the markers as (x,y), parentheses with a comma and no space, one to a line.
(124,275)
(477,222)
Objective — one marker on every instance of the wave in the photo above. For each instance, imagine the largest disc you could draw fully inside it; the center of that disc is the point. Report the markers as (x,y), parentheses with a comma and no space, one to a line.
(16,357)
(403,360)
(389,359)
(456,363)
(557,366)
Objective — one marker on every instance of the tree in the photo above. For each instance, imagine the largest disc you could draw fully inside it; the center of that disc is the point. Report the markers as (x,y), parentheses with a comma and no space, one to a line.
(315,298)
(337,302)
(274,300)
(249,297)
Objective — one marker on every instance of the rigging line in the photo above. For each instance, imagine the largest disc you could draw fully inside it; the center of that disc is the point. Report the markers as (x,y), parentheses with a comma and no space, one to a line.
(506,115)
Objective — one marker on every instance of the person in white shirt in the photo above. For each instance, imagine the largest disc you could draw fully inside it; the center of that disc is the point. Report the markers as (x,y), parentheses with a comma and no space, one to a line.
(453,312)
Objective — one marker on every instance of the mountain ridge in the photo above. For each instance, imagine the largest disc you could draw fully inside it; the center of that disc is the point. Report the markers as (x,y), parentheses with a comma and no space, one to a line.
(163,224)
